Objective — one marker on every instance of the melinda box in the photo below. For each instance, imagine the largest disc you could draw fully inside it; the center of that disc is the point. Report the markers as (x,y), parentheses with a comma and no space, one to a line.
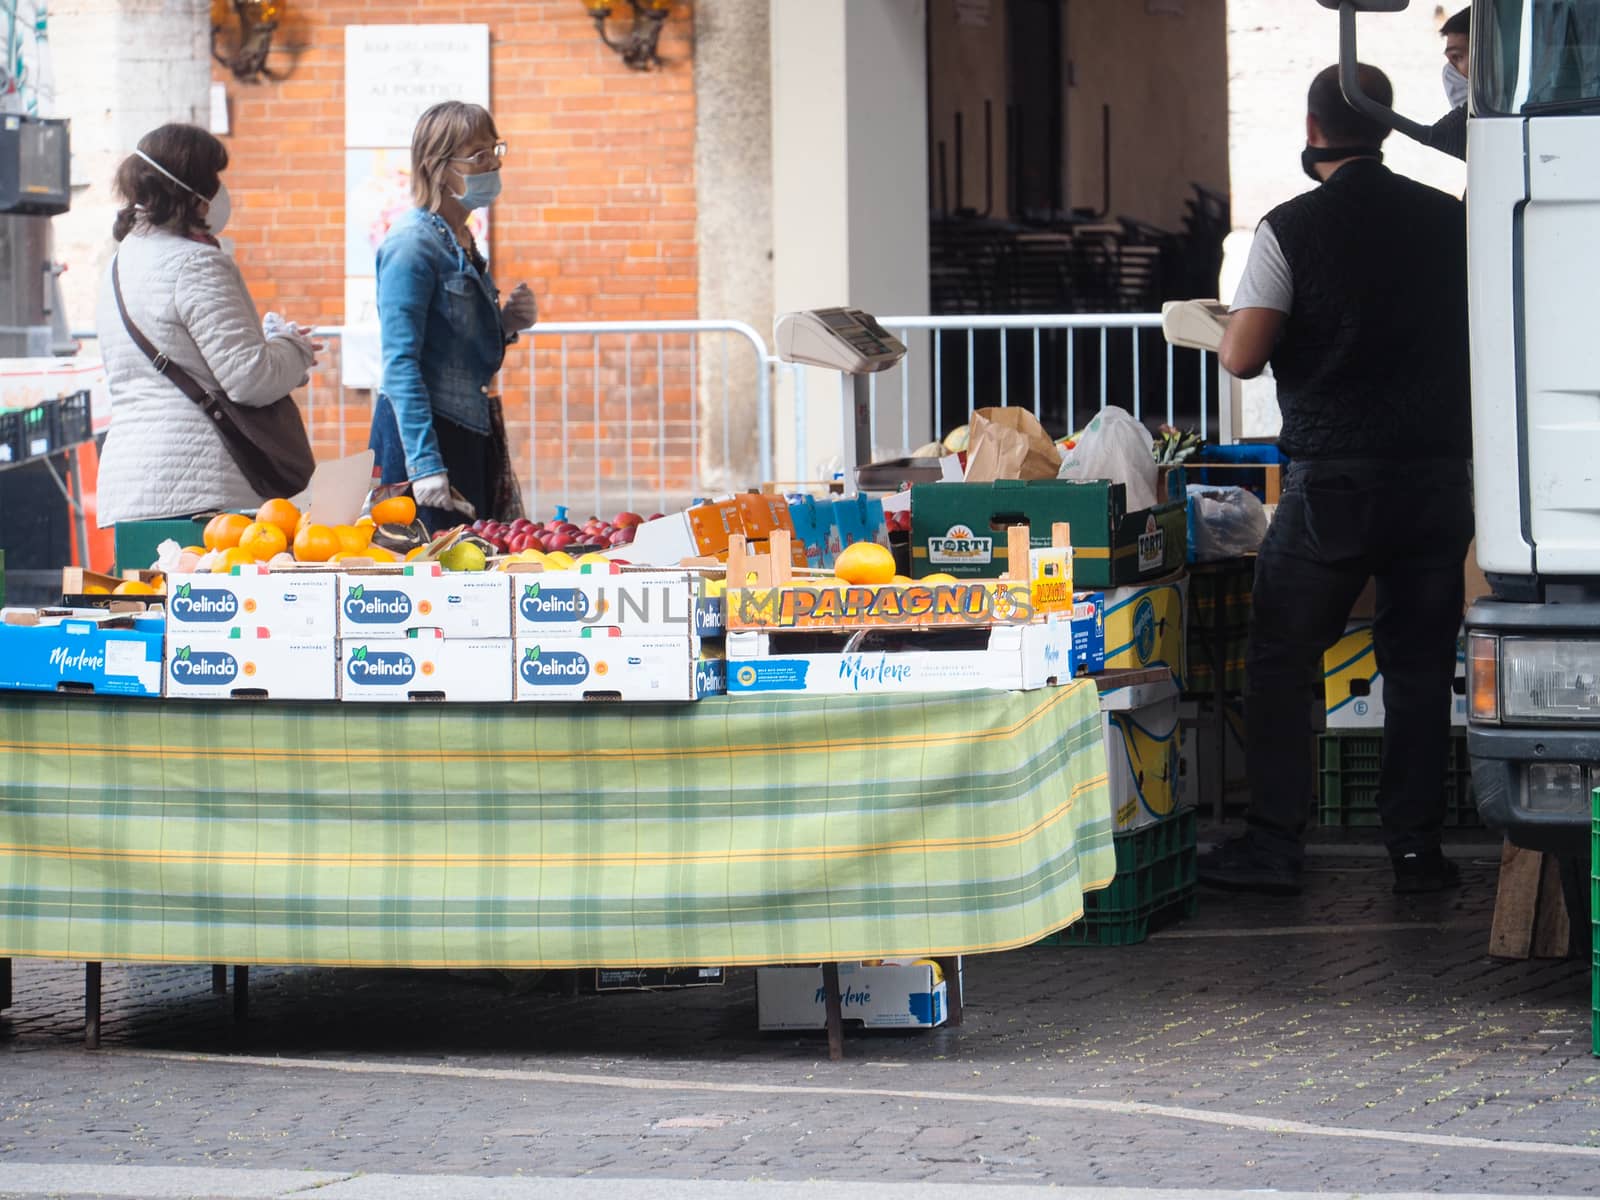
(458,604)
(289,603)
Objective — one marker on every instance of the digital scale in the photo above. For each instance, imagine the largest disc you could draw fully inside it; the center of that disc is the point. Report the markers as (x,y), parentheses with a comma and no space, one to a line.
(851,342)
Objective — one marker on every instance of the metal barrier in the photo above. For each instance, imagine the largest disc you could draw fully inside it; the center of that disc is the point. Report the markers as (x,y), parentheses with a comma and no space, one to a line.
(1049,362)
(619,413)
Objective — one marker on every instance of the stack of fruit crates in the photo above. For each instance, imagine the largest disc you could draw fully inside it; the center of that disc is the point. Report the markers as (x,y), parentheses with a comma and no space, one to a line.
(1154,885)
(1347,792)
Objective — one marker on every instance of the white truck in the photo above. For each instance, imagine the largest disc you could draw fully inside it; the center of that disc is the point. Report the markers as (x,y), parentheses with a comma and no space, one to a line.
(1533,219)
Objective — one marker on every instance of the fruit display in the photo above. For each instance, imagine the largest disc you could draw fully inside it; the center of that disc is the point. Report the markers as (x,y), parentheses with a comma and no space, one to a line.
(515,537)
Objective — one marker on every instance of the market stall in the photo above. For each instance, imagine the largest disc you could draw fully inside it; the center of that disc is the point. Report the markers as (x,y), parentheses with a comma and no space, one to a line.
(812,733)
(755,831)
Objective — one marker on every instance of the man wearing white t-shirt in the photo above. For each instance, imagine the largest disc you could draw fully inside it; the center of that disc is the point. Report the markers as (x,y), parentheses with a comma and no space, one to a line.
(1355,293)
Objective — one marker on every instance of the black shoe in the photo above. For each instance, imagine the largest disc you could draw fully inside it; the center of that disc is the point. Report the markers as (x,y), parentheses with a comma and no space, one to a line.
(1424,871)
(1242,865)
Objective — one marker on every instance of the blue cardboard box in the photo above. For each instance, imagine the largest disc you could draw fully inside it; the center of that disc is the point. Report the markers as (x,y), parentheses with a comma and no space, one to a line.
(813,528)
(77,650)
(858,519)
(1089,632)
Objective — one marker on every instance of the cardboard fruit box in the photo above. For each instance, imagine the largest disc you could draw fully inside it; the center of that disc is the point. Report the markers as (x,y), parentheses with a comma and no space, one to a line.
(959,529)
(77,650)
(246,663)
(877,995)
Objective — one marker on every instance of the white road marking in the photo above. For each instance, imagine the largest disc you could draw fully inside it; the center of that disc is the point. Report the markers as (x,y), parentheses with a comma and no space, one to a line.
(1127,1108)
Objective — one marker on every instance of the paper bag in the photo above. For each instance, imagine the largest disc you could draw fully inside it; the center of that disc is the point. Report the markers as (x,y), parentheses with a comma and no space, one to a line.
(1007,443)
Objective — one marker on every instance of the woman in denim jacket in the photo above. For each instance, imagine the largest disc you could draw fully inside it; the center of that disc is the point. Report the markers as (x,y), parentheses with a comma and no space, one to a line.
(444,330)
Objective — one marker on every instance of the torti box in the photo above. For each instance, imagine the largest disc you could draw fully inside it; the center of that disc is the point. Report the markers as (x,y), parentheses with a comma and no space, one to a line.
(957,529)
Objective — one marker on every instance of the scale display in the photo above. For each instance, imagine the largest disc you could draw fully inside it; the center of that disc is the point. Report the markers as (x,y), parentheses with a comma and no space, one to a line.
(840,339)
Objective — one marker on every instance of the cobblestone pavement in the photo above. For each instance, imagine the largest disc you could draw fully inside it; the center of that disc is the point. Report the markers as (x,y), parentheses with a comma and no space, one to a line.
(1342,1041)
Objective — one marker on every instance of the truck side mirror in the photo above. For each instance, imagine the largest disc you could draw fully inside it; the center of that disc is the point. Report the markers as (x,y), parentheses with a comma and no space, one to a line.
(1349,80)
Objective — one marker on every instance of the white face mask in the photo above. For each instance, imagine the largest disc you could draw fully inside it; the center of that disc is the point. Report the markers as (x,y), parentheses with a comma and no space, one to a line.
(218,207)
(1456,87)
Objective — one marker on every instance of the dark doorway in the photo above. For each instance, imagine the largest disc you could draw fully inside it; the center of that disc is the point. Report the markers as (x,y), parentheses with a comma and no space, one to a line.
(1035,103)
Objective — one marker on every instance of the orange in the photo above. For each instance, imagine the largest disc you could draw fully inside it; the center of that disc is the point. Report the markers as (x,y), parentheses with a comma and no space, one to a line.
(353,538)
(365,522)
(282,514)
(865,562)
(315,543)
(195,549)
(396,510)
(158,583)
(133,587)
(223,530)
(231,558)
(382,554)
(938,577)
(95,589)
(262,540)
(415,552)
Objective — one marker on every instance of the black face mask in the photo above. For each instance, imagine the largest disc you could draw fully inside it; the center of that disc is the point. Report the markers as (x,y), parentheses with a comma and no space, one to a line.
(1312,155)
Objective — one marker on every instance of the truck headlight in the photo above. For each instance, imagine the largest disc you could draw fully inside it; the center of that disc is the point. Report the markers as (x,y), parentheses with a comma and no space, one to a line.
(1549,680)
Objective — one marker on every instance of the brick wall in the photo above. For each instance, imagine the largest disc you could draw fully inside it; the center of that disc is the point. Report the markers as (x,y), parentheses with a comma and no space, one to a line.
(597,215)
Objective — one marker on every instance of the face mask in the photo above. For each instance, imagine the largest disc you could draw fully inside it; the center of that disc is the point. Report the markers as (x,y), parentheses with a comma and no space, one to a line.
(1312,155)
(1456,86)
(481,190)
(221,208)
(218,206)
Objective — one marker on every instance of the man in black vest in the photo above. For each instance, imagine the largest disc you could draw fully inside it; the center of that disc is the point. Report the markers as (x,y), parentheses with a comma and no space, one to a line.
(1356,293)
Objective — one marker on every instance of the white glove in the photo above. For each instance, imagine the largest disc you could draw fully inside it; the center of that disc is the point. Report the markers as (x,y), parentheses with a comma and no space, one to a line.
(276,328)
(433,491)
(520,311)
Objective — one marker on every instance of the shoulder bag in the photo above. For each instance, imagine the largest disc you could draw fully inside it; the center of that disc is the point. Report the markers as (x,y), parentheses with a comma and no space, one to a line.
(267,444)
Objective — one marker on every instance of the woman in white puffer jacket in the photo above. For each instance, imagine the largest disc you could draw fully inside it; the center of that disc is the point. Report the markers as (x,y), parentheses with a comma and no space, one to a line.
(162,458)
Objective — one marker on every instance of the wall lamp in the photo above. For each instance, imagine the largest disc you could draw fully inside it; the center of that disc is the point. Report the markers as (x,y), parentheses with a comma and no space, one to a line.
(638,48)
(257,21)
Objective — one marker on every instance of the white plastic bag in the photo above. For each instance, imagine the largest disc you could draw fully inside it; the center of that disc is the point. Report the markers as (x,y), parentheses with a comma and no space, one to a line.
(1224,522)
(1115,446)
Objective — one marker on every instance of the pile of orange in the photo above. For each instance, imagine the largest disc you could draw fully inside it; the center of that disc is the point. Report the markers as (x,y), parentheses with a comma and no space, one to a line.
(280,528)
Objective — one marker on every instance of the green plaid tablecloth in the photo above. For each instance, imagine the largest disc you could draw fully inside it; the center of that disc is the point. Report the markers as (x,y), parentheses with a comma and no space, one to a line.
(726,832)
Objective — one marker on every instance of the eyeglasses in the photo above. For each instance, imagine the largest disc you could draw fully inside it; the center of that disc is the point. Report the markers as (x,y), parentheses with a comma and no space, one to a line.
(483,157)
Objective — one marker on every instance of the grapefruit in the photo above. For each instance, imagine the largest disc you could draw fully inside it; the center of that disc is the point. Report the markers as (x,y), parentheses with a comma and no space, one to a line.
(865,562)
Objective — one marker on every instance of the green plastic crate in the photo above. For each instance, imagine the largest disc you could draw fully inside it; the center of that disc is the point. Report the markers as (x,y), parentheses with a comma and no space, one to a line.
(1347,792)
(1154,885)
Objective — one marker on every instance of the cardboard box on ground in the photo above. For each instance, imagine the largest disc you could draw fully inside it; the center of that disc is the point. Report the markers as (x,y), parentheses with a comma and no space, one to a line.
(879,995)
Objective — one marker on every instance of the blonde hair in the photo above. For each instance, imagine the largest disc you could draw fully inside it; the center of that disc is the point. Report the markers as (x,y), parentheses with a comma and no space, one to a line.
(441,131)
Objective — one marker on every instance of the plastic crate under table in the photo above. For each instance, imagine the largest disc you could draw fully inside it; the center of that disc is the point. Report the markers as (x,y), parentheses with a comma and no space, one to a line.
(1154,885)
(1349,767)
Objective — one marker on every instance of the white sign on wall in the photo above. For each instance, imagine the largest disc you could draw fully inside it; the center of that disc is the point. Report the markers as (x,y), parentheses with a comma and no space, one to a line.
(393,73)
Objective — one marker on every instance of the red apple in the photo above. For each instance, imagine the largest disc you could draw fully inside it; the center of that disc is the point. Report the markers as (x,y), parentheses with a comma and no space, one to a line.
(627,518)
(655,516)
(621,537)
(559,541)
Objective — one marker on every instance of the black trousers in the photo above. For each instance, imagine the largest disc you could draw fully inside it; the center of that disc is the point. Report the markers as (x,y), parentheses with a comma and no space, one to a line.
(1339,523)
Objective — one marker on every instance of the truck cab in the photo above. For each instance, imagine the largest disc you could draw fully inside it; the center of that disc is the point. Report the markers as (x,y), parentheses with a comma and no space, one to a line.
(1533,219)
